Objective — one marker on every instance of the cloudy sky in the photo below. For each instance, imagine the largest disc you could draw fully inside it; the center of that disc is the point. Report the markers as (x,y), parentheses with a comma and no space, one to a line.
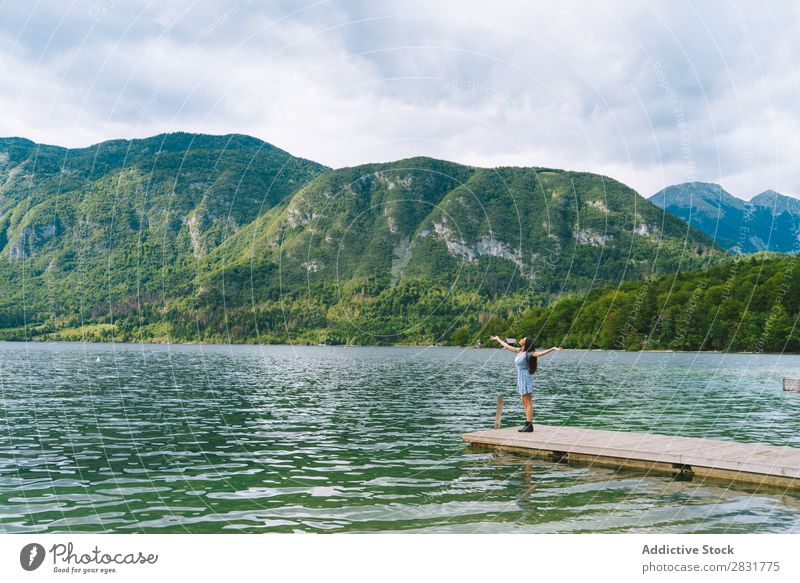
(651,93)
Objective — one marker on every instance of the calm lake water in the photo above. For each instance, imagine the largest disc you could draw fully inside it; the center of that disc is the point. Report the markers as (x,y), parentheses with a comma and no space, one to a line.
(157,438)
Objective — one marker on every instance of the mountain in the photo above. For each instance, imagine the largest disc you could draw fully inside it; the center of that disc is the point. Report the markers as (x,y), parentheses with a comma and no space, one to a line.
(776,201)
(186,236)
(498,228)
(126,220)
(770,221)
(414,248)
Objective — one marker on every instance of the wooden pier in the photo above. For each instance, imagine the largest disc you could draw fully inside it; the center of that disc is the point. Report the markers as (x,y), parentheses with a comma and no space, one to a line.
(689,457)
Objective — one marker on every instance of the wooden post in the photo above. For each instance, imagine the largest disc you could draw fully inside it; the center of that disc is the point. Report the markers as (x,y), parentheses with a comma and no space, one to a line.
(499,414)
(791,385)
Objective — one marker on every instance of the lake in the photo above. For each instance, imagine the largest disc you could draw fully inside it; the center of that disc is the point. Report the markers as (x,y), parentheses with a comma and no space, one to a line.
(172,438)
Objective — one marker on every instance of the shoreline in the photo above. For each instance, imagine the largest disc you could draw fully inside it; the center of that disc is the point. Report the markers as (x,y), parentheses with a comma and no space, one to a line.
(169,343)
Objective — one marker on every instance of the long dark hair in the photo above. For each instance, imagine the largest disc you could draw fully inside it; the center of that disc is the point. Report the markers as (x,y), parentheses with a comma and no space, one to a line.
(527,346)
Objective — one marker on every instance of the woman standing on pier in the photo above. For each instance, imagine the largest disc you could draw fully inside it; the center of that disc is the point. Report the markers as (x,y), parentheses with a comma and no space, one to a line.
(526,362)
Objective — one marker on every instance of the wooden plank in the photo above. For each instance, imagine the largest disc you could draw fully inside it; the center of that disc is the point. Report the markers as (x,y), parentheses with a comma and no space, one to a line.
(498,416)
(735,461)
(791,385)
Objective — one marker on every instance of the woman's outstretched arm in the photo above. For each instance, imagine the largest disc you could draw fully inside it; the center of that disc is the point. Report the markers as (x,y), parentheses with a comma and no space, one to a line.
(546,352)
(504,344)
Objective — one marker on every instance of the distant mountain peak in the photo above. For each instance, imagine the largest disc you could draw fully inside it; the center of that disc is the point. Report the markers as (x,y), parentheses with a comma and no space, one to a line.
(705,196)
(777,202)
(767,222)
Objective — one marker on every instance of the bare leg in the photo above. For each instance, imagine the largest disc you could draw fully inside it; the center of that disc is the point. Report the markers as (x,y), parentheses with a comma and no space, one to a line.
(527,402)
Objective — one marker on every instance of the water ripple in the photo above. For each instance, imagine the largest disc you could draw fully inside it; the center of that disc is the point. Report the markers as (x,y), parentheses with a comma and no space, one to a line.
(157,438)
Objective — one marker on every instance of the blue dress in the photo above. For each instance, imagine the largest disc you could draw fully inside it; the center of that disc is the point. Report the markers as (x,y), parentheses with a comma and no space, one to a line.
(524,378)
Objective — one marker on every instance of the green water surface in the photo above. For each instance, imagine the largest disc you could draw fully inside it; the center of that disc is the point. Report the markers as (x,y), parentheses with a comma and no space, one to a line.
(159,438)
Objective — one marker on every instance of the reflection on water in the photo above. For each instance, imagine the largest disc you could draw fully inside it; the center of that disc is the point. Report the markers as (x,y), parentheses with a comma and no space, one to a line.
(159,438)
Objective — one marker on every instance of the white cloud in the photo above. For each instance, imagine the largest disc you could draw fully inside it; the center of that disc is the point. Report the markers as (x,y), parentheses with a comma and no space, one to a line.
(651,94)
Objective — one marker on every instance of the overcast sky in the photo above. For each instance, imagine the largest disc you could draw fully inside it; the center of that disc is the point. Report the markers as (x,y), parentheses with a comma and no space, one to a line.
(650,93)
